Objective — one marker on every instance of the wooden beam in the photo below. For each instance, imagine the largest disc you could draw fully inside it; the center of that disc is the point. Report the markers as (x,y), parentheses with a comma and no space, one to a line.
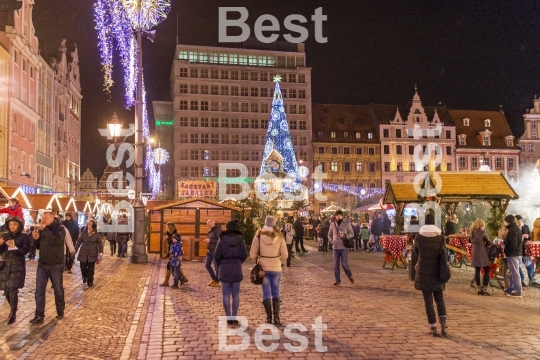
(504,204)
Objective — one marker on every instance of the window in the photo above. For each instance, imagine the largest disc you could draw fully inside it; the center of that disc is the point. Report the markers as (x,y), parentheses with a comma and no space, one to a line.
(334,166)
(448,134)
(254,156)
(386,166)
(194,122)
(225,123)
(474,161)
(244,75)
(322,165)
(264,76)
(531,147)
(204,138)
(225,155)
(194,105)
(215,122)
(264,92)
(244,91)
(264,108)
(194,138)
(214,74)
(184,171)
(302,109)
(183,72)
(284,93)
(234,75)
(424,134)
(204,122)
(533,134)
(194,155)
(235,155)
(254,107)
(334,150)
(533,124)
(371,151)
(234,123)
(245,139)
(183,105)
(465,122)
(398,133)
(234,90)
(303,140)
(194,173)
(302,94)
(183,138)
(183,154)
(487,123)
(254,139)
(182,89)
(245,123)
(235,139)
(510,141)
(461,140)
(292,109)
(359,166)
(254,123)
(522,147)
(264,124)
(214,106)
(347,166)
(371,167)
(448,150)
(321,150)
(333,134)
(292,124)
(399,166)
(245,155)
(254,91)
(386,133)
(386,149)
(224,138)
(224,106)
(204,73)
(449,167)
(486,140)
(224,74)
(301,78)
(347,150)
(498,163)
(510,163)
(183,121)
(224,90)
(370,136)
(204,89)
(358,151)
(303,125)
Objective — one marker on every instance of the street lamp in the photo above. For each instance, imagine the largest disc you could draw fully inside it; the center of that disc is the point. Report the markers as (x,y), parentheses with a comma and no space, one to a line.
(138,247)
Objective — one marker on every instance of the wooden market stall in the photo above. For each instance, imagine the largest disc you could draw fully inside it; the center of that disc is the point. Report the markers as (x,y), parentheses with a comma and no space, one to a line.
(37,202)
(190,217)
(67,204)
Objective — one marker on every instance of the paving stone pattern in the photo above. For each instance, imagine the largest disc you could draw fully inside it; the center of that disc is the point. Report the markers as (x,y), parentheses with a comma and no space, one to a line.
(128,316)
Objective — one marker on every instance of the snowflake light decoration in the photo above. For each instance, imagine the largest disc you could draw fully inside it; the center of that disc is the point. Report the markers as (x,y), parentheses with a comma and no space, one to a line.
(145,14)
(161,156)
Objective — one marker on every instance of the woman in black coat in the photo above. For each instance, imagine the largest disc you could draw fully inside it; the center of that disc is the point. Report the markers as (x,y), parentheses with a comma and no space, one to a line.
(230,253)
(479,255)
(428,244)
(91,249)
(13,274)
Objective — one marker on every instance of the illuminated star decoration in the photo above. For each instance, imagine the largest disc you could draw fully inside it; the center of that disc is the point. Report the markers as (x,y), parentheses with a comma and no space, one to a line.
(145,14)
(161,156)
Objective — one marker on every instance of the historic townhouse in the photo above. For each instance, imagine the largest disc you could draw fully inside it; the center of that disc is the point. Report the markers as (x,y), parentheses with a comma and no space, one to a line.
(346,148)
(530,142)
(484,141)
(402,128)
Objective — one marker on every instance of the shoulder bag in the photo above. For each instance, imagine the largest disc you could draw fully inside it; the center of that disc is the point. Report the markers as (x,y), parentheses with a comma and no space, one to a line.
(444,268)
(257,273)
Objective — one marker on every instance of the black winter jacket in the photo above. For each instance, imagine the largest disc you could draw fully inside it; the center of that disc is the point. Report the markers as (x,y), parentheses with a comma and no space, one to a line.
(13,274)
(513,244)
(299,228)
(377,227)
(73,229)
(213,235)
(51,244)
(428,249)
(230,253)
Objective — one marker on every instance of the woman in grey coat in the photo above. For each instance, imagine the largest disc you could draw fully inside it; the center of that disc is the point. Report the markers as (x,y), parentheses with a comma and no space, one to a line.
(479,255)
(90,250)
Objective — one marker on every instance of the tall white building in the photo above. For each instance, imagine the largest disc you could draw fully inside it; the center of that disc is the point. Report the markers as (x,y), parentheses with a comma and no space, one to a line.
(530,141)
(222,100)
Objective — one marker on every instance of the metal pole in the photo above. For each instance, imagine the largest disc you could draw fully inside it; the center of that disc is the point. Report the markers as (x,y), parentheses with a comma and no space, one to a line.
(138,246)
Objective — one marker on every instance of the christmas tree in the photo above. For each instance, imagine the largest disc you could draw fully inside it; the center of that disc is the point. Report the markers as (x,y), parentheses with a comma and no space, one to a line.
(278,155)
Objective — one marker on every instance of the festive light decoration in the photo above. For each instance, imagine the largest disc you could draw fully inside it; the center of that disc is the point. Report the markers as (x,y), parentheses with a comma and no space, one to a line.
(161,156)
(303,171)
(145,14)
(484,168)
(278,137)
(359,192)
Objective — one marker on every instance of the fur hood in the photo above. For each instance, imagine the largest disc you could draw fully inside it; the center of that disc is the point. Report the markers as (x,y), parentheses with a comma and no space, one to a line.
(536,223)
(270,237)
(231,232)
(430,231)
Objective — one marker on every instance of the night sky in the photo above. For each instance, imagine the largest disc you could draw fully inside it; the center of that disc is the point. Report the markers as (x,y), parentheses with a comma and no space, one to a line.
(465,54)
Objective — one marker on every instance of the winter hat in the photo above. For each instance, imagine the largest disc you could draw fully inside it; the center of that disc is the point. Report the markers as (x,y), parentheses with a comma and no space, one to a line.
(339,212)
(510,219)
(269,221)
(232,225)
(430,219)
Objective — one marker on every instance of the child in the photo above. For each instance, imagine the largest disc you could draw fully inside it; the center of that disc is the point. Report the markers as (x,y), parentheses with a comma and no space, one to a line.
(14,209)
(364,234)
(318,231)
(175,258)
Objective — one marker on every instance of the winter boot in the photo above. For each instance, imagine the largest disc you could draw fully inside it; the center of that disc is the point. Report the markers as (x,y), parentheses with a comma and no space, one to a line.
(183,276)
(275,305)
(485,290)
(167,277)
(442,320)
(268,307)
(480,290)
(433,330)
(13,302)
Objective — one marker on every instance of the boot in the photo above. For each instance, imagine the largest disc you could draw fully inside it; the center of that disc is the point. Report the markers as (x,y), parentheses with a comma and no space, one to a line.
(268,307)
(275,305)
(442,320)
(183,276)
(167,277)
(433,330)
(13,302)
(480,289)
(485,290)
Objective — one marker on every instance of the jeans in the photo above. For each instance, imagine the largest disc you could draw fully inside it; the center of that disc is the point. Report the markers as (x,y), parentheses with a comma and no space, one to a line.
(365,244)
(515,281)
(87,271)
(289,251)
(229,290)
(43,274)
(299,243)
(529,266)
(175,271)
(270,285)
(477,275)
(428,302)
(208,263)
(377,239)
(341,255)
(325,243)
(112,245)
(358,243)
(69,259)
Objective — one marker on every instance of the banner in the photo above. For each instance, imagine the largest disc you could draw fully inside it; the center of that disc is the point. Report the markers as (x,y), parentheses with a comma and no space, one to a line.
(196,188)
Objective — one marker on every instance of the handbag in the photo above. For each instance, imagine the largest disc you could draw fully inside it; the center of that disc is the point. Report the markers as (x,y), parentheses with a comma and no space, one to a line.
(257,273)
(444,268)
(493,251)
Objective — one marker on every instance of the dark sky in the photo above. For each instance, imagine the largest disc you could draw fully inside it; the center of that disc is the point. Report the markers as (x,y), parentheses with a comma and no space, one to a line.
(467,54)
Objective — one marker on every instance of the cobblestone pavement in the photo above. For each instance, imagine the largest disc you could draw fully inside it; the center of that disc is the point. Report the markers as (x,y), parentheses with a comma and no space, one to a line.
(128,316)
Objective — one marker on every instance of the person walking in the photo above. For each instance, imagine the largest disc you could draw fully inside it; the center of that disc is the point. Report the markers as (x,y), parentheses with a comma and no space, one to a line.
(451,226)
(428,244)
(325,228)
(230,253)
(14,244)
(122,238)
(172,232)
(364,235)
(377,231)
(272,250)
(212,239)
(299,235)
(526,260)
(90,248)
(479,255)
(386,223)
(513,249)
(111,238)
(339,230)
(49,238)
(288,233)
(73,230)
(176,251)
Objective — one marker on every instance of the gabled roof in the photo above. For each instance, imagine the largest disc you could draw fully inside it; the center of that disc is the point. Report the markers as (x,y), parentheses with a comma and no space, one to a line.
(44,201)
(499,128)
(383,114)
(400,193)
(200,201)
(340,118)
(68,204)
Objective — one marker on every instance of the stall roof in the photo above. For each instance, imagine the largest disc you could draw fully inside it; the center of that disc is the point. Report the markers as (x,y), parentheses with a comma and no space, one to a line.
(331,208)
(400,193)
(80,205)
(44,201)
(193,202)
(67,203)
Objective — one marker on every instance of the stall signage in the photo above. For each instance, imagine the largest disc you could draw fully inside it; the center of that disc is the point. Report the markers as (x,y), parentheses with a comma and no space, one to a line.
(28,189)
(196,188)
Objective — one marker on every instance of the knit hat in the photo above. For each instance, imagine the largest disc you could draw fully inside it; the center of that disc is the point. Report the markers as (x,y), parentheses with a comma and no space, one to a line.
(232,225)
(269,221)
(510,219)
(339,212)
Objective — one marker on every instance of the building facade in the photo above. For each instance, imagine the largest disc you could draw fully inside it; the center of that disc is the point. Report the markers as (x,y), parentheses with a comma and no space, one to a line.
(88,185)
(484,138)
(222,100)
(405,129)
(164,138)
(346,148)
(45,129)
(530,142)
(4,101)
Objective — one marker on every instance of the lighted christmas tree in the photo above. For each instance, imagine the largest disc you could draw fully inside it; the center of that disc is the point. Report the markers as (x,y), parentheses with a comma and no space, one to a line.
(278,155)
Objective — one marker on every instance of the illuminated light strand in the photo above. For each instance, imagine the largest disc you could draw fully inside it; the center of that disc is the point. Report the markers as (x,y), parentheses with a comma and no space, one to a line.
(352,190)
(145,14)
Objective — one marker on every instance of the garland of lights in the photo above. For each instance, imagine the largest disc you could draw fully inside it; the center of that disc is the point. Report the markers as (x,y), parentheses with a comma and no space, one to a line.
(360,192)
